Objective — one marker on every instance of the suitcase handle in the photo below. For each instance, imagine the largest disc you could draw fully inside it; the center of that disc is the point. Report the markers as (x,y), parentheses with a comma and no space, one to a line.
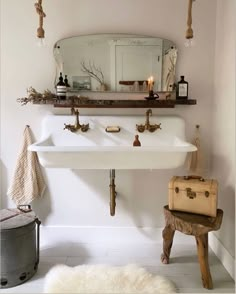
(201,179)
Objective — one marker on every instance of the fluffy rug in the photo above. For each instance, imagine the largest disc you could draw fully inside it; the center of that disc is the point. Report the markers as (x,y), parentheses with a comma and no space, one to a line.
(105,279)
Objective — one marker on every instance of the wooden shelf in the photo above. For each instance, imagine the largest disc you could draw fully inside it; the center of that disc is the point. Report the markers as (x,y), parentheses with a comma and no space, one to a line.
(117,103)
(125,103)
(49,98)
(185,102)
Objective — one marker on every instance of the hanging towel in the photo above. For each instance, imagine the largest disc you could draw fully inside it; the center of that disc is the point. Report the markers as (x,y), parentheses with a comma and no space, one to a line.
(194,161)
(27,183)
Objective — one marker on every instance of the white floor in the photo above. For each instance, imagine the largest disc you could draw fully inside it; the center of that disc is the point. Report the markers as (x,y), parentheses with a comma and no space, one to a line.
(183,269)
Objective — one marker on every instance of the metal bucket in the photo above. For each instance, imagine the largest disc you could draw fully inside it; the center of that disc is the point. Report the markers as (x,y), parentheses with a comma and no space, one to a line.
(19,230)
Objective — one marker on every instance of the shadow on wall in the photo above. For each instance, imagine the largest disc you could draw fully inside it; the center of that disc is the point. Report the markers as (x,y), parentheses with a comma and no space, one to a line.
(4,203)
(42,205)
(227,204)
(222,170)
(141,194)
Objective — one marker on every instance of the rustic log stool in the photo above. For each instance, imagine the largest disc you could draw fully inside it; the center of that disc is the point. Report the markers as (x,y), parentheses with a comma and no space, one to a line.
(191,224)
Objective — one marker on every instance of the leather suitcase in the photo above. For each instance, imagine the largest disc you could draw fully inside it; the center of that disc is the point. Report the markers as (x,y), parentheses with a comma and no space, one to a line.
(193,194)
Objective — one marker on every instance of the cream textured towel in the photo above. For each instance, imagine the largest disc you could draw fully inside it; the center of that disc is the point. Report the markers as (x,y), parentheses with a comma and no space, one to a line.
(194,161)
(28,182)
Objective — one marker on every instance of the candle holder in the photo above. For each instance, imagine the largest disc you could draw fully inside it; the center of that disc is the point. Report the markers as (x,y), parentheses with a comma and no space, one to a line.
(152,95)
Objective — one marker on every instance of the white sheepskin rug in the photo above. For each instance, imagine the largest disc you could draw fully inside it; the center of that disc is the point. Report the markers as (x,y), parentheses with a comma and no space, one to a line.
(105,279)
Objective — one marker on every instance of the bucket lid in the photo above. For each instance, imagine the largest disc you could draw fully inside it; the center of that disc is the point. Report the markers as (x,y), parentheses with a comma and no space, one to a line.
(15,218)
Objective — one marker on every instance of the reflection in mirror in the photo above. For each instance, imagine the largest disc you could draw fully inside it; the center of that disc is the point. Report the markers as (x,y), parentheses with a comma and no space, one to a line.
(116,62)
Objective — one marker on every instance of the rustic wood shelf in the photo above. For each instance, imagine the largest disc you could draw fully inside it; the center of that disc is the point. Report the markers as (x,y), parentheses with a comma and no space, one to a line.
(125,103)
(117,103)
(185,102)
(49,98)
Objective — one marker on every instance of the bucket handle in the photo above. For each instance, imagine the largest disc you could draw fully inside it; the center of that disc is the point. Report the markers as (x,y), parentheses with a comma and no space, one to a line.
(24,208)
(38,222)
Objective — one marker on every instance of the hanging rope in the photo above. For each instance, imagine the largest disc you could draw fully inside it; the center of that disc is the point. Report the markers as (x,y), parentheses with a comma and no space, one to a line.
(189,32)
(39,10)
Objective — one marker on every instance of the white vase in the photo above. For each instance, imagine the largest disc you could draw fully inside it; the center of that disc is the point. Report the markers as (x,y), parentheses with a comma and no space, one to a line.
(103,87)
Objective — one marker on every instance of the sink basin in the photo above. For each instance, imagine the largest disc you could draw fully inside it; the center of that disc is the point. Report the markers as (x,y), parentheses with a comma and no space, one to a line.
(97,149)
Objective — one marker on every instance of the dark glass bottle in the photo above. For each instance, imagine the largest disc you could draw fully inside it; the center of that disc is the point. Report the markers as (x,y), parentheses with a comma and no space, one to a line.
(66,82)
(61,88)
(182,89)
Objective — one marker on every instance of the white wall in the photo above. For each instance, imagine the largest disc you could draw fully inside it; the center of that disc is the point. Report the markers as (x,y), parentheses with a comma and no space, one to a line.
(81,198)
(223,124)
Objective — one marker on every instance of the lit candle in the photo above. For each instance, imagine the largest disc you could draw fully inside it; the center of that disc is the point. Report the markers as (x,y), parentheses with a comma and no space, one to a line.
(151,83)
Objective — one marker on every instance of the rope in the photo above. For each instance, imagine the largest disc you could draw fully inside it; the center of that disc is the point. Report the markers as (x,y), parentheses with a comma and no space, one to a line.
(39,9)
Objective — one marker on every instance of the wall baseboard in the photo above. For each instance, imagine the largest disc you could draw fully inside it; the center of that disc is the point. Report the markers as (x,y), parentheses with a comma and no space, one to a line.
(222,253)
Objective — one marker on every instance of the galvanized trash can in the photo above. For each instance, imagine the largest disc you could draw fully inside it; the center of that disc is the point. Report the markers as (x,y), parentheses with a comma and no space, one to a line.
(19,245)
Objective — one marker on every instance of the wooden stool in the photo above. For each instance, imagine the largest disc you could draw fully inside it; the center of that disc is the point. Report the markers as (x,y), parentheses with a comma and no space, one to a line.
(191,224)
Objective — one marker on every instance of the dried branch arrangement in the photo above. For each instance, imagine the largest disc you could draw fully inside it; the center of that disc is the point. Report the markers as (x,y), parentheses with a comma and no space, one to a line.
(36,97)
(93,72)
(47,97)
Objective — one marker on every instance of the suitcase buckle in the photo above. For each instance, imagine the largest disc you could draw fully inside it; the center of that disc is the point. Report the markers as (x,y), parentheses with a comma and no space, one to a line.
(190,193)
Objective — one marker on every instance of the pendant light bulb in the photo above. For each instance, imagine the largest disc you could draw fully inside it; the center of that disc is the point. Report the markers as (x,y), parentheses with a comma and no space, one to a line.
(41,42)
(189,42)
(40,30)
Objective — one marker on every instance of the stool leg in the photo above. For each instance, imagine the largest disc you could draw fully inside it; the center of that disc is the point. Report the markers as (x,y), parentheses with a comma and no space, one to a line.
(202,249)
(168,235)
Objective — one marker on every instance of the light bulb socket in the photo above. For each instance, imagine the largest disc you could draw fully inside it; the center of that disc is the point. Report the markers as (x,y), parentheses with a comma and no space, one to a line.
(189,33)
(40,33)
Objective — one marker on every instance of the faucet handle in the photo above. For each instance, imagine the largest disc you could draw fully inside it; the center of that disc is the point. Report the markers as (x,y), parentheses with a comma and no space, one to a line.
(153,128)
(140,128)
(74,111)
(66,127)
(84,128)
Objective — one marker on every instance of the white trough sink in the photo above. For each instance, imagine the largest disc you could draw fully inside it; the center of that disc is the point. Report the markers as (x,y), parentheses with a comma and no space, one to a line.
(96,149)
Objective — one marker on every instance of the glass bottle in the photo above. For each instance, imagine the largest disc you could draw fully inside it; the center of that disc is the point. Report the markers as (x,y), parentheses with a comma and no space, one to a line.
(66,82)
(182,89)
(61,88)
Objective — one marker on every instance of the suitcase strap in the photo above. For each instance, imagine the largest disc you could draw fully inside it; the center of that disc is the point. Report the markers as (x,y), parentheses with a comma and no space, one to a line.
(191,194)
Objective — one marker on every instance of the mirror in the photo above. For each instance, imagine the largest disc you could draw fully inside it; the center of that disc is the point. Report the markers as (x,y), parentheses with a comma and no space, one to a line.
(116,62)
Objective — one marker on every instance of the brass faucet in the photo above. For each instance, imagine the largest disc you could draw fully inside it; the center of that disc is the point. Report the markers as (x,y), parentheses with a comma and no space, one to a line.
(151,128)
(77,125)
